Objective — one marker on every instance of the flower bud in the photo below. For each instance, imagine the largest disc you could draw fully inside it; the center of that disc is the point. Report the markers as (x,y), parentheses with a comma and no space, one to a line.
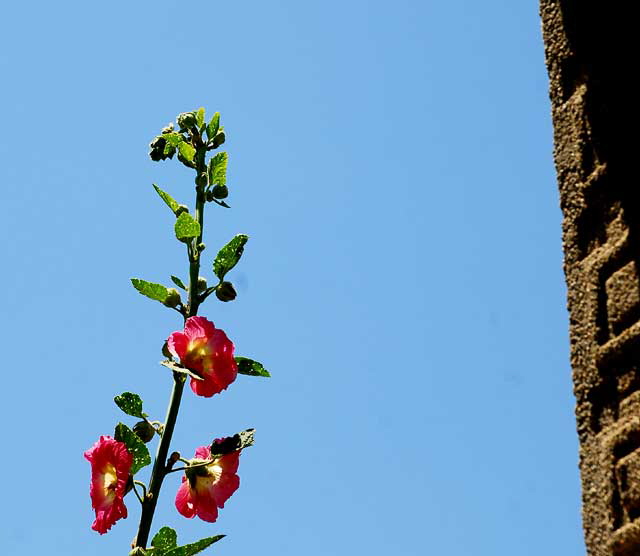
(220,192)
(226,292)
(168,129)
(218,139)
(173,298)
(186,120)
(201,180)
(181,209)
(144,430)
(202,284)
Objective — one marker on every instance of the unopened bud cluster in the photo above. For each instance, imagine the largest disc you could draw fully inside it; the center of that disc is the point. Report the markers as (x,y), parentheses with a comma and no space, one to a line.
(173,298)
(226,292)
(144,430)
(186,121)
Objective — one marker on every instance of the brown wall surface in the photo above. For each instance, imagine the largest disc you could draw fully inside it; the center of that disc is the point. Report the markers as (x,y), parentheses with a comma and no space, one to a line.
(591,62)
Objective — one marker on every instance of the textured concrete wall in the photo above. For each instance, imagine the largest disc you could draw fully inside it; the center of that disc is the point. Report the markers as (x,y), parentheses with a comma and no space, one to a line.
(591,61)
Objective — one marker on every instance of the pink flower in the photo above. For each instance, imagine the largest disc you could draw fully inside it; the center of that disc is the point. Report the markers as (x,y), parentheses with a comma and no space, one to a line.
(110,468)
(205,349)
(206,488)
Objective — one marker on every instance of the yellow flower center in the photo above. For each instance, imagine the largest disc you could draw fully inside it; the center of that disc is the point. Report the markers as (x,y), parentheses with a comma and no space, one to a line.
(198,349)
(109,481)
(203,483)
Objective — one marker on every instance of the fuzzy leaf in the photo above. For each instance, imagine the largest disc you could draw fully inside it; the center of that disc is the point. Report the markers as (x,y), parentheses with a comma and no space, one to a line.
(131,404)
(238,441)
(218,169)
(186,150)
(165,539)
(136,447)
(250,367)
(173,139)
(168,150)
(213,126)
(200,117)
(153,291)
(186,227)
(194,548)
(178,282)
(168,199)
(229,255)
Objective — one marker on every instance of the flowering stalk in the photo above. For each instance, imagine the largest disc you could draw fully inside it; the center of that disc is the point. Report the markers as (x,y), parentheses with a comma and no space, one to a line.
(202,351)
(162,465)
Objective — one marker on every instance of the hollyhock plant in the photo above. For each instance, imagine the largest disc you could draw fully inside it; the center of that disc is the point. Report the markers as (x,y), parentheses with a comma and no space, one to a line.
(205,349)
(199,350)
(205,488)
(110,467)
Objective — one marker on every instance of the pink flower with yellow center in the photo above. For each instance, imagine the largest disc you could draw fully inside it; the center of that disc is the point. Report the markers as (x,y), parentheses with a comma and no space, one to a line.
(205,349)
(205,488)
(110,468)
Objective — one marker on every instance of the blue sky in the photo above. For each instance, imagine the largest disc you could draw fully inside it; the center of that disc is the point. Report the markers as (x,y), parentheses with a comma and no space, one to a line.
(392,165)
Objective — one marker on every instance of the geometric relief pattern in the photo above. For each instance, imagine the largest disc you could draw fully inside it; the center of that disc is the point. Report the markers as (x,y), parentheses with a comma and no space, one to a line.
(612,305)
(600,201)
(615,398)
(627,475)
(604,302)
(623,298)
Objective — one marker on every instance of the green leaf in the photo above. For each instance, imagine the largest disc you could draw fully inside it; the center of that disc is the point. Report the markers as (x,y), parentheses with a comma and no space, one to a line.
(168,150)
(213,126)
(165,539)
(200,117)
(171,202)
(218,169)
(173,139)
(135,446)
(131,404)
(238,441)
(229,255)
(250,367)
(186,227)
(186,150)
(178,282)
(153,291)
(194,548)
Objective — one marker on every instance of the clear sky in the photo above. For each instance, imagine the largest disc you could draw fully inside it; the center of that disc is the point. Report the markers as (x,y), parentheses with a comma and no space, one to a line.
(392,165)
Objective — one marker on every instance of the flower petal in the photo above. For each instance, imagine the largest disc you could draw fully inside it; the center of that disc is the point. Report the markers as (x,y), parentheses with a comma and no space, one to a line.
(206,387)
(229,462)
(207,350)
(110,468)
(206,508)
(177,344)
(224,487)
(203,452)
(184,501)
(198,327)
(208,489)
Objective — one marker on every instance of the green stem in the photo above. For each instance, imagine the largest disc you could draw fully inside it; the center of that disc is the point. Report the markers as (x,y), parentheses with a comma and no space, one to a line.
(161,467)
(194,266)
